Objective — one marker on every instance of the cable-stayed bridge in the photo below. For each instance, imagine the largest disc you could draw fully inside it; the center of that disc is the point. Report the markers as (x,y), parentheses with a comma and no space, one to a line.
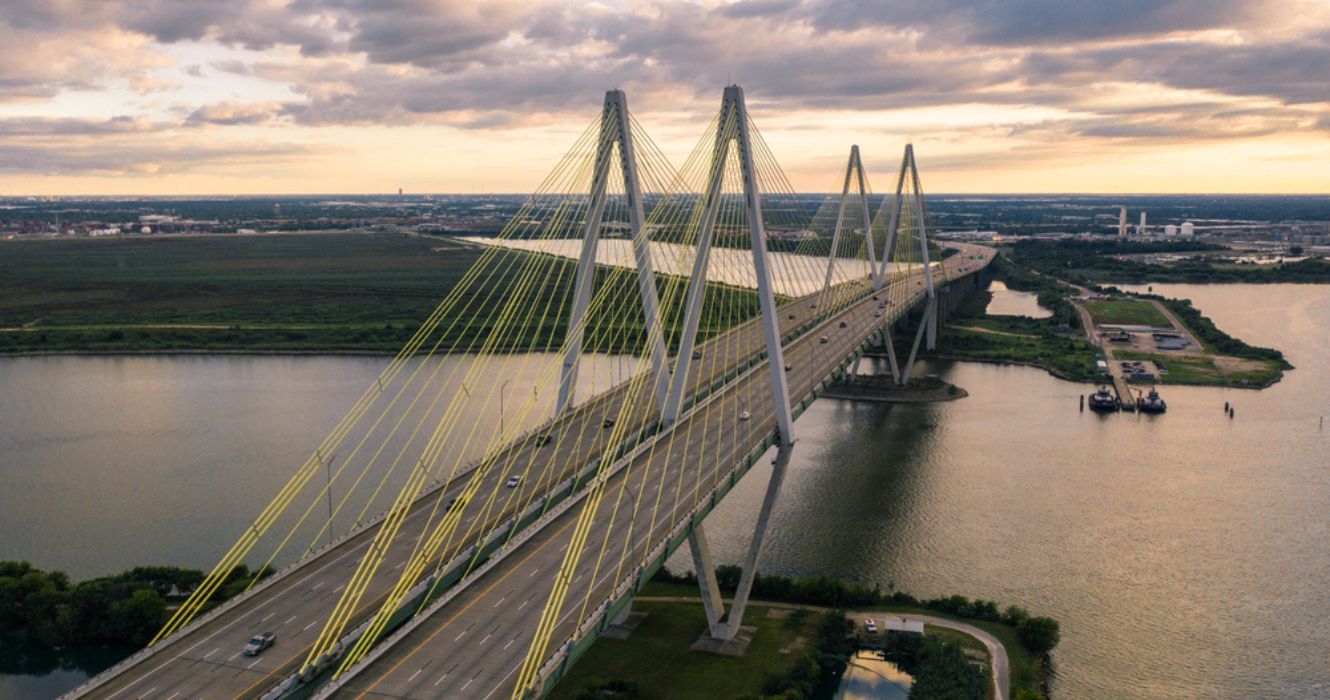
(480,560)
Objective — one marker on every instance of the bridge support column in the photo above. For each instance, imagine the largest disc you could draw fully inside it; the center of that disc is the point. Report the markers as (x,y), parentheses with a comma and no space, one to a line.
(930,336)
(706,570)
(706,579)
(930,309)
(890,343)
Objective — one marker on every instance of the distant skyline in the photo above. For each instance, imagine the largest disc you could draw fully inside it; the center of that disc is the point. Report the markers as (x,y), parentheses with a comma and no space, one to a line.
(173,97)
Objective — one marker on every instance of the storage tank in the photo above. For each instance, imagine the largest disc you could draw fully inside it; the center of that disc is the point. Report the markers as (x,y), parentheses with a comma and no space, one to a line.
(1188,229)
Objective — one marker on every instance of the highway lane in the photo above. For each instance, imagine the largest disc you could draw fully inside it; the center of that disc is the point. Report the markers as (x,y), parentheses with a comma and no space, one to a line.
(486,636)
(206,661)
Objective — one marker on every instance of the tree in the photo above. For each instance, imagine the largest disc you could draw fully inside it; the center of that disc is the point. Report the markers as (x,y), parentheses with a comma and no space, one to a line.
(945,673)
(1295,250)
(1039,634)
(1015,614)
(138,617)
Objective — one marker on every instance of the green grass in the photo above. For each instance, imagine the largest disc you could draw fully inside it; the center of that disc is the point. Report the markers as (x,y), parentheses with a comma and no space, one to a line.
(357,292)
(1070,358)
(338,291)
(1126,312)
(1201,369)
(658,658)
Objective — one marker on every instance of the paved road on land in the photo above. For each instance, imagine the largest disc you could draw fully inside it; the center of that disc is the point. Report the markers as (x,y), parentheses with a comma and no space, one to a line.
(1001,666)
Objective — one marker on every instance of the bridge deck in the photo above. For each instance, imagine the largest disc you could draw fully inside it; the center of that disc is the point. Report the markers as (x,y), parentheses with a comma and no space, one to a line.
(473,646)
(206,660)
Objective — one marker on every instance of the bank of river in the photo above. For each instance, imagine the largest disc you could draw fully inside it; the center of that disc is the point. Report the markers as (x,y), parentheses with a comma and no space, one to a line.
(1184,554)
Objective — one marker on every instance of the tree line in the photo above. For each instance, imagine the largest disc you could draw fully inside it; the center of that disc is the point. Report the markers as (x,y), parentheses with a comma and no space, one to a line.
(46,609)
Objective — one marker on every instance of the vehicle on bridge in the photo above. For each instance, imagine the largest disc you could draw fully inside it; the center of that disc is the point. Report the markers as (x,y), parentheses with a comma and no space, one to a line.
(259,642)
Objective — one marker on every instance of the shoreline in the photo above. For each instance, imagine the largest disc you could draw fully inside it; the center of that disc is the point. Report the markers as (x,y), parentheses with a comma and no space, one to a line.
(195,352)
(373,353)
(1058,375)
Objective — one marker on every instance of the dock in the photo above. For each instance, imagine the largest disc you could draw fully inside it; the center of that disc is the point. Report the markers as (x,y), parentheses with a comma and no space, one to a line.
(1126,397)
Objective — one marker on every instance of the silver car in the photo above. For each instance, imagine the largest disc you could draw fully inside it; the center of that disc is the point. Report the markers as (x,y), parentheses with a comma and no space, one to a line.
(259,642)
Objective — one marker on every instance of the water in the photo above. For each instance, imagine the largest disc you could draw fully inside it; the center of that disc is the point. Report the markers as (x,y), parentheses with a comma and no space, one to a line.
(113,462)
(793,274)
(1185,554)
(871,678)
(1009,302)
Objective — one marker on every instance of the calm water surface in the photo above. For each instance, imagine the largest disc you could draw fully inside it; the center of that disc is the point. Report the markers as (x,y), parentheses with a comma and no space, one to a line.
(870,678)
(1185,554)
(1009,302)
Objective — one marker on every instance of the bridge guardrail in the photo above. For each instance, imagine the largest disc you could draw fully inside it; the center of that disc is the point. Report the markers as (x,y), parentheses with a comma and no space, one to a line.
(577,643)
(700,397)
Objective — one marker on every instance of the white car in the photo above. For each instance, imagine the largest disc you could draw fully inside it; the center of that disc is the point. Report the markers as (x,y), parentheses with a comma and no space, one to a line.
(513,481)
(259,643)
(745,415)
(870,626)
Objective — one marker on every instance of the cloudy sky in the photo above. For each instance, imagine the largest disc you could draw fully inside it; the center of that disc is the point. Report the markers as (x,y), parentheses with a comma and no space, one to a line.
(290,96)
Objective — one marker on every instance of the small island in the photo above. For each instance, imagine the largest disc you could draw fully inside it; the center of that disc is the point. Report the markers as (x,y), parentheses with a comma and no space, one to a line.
(882,388)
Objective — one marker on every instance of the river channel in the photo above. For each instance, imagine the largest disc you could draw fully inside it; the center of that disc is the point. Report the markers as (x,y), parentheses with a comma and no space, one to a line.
(1185,554)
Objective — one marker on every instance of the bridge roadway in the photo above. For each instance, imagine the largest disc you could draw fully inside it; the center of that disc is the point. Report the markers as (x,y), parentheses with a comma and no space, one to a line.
(474,645)
(206,660)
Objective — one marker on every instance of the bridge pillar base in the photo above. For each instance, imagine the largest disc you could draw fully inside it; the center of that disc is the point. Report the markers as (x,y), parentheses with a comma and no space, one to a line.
(734,646)
(623,624)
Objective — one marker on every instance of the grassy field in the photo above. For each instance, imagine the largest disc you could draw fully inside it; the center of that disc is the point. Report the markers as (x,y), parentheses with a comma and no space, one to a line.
(1126,312)
(347,292)
(657,655)
(312,291)
(1205,370)
(658,659)
(1066,357)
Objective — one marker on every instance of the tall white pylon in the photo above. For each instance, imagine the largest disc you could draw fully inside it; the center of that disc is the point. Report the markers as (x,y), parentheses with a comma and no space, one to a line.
(734,114)
(733,126)
(615,130)
(918,216)
(854,175)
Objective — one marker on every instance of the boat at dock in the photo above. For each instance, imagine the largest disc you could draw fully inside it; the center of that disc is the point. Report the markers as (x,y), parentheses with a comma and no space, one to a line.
(1103,400)
(1152,403)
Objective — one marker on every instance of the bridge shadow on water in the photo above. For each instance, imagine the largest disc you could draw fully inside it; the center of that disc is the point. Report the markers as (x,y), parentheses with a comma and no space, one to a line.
(846,509)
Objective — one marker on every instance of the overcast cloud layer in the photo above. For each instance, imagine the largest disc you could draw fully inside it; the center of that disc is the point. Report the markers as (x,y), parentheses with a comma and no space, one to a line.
(146,89)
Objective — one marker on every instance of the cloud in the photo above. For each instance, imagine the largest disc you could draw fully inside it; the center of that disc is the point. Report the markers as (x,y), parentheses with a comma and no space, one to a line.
(1123,72)
(111,157)
(1036,22)
(235,113)
(70,126)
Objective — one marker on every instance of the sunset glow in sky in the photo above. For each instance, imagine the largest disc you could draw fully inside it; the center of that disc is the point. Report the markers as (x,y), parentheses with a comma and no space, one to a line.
(365,96)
